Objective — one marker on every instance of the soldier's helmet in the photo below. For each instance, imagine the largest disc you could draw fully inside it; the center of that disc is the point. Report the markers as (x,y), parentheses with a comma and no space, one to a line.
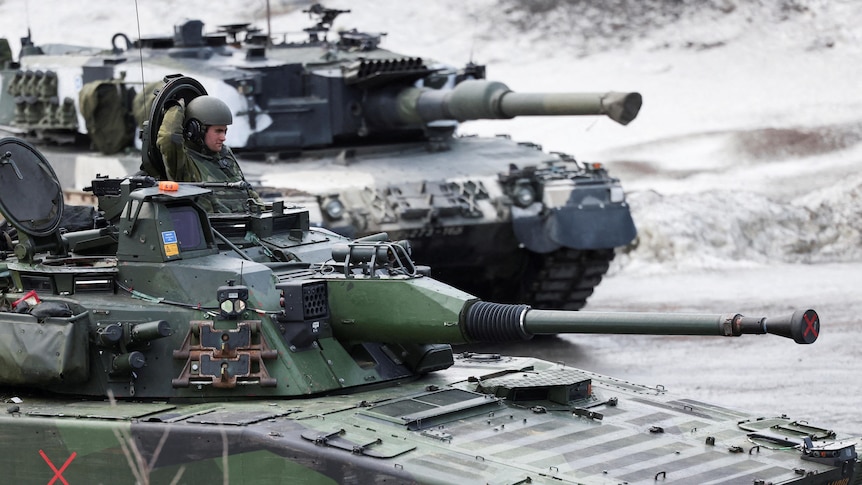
(209,110)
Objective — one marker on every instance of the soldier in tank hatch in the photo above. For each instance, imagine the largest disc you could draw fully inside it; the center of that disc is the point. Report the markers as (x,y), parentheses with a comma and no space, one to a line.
(191,141)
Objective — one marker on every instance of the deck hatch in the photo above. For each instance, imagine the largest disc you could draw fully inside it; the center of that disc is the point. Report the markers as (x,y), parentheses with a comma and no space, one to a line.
(562,386)
(433,408)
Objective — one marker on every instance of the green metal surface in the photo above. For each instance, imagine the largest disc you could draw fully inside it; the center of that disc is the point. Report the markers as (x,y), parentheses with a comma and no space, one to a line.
(408,310)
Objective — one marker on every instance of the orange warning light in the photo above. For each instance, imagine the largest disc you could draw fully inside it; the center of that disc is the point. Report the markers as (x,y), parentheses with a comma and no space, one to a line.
(169,186)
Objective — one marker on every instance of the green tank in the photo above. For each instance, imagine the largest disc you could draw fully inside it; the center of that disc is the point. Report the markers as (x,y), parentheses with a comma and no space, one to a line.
(368,140)
(168,345)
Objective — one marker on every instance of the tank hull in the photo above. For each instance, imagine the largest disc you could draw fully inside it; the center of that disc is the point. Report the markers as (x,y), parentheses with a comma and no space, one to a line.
(131,354)
(456,208)
(456,213)
(440,428)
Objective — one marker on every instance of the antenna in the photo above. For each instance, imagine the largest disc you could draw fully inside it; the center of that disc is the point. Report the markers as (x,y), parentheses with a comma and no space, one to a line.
(268,25)
(27,16)
(140,47)
(472,46)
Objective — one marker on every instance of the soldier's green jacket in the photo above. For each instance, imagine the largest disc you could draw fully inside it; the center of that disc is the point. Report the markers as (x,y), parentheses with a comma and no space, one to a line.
(186,161)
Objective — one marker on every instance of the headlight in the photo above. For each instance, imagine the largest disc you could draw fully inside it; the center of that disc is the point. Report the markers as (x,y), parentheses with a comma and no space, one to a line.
(616,194)
(334,209)
(245,88)
(524,195)
(232,307)
(232,300)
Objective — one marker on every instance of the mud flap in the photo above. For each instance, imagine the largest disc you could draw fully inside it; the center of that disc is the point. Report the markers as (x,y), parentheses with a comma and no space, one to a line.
(529,226)
(571,227)
(591,228)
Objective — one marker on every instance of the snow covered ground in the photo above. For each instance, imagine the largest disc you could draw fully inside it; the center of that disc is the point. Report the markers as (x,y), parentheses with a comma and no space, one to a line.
(741,169)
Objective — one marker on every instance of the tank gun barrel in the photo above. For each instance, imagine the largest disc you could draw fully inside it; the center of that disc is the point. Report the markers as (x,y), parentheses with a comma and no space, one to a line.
(479,99)
(429,313)
(802,326)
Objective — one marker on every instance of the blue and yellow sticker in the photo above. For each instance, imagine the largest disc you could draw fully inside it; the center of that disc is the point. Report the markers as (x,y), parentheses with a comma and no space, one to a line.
(169,239)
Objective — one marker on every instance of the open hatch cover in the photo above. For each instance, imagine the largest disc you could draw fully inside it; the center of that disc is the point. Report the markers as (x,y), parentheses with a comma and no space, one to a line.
(31,198)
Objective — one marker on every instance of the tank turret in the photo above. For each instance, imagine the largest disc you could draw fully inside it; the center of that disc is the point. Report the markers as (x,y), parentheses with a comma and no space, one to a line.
(252,347)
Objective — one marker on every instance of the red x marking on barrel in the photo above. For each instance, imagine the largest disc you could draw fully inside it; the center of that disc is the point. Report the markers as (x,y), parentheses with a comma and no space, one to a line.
(809,324)
(58,474)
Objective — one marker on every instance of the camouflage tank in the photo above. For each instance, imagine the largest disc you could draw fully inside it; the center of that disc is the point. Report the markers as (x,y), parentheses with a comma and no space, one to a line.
(166,345)
(367,139)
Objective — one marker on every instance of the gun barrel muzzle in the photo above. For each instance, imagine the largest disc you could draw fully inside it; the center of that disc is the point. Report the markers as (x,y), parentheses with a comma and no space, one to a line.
(496,322)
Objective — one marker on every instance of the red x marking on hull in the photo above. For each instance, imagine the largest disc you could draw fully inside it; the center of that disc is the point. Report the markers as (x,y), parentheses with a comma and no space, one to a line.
(58,474)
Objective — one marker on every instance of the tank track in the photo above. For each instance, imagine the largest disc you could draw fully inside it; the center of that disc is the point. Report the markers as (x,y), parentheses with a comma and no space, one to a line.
(565,278)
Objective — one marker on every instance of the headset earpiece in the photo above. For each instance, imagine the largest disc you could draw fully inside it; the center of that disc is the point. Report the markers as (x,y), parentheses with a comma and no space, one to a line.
(193,131)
